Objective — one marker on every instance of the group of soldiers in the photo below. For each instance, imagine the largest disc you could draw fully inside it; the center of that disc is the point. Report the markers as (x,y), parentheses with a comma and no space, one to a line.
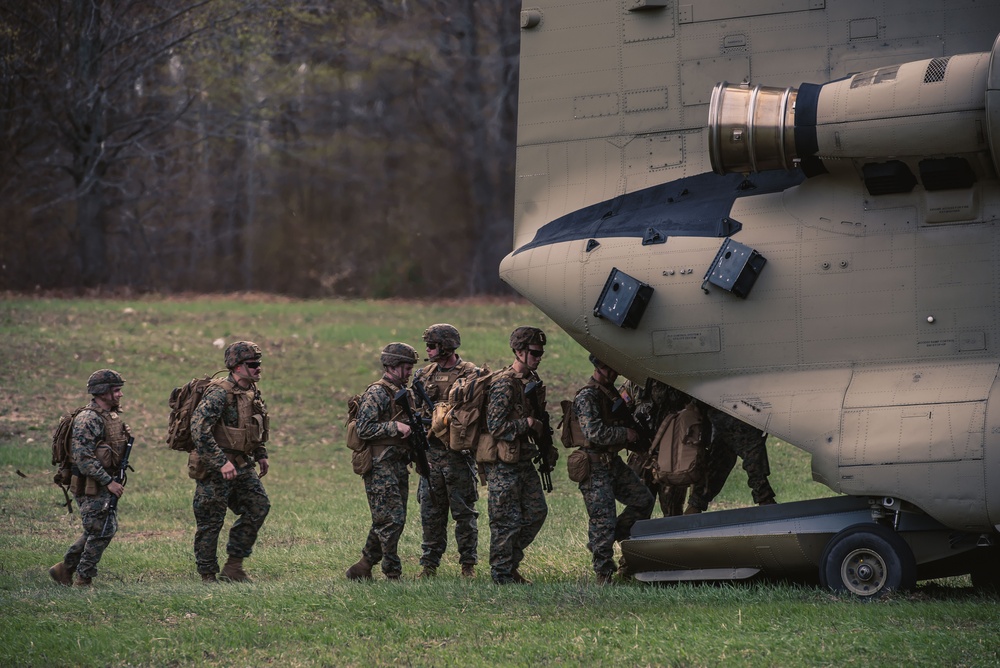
(516,433)
(228,428)
(229,431)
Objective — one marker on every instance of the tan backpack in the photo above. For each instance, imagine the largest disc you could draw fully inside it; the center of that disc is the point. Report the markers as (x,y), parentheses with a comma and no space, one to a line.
(354,441)
(467,418)
(182,402)
(678,449)
(570,433)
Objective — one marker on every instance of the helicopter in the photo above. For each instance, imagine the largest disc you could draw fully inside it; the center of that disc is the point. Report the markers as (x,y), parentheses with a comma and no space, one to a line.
(789,210)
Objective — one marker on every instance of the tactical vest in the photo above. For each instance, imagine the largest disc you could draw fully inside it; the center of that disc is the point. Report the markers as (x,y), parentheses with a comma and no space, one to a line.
(438,381)
(109,451)
(394,414)
(605,401)
(252,422)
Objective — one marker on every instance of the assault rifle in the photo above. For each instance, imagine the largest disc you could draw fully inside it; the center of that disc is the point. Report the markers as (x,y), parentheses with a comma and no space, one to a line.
(620,411)
(421,392)
(546,452)
(418,435)
(121,478)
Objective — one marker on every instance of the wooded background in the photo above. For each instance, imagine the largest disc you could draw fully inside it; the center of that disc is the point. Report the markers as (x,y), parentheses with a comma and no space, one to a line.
(338,147)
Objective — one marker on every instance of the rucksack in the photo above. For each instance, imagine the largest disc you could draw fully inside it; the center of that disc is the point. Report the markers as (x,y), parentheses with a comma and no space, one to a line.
(354,441)
(467,416)
(677,448)
(182,403)
(62,455)
(570,433)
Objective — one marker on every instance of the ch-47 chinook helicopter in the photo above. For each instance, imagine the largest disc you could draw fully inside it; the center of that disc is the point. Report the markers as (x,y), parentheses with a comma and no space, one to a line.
(789,209)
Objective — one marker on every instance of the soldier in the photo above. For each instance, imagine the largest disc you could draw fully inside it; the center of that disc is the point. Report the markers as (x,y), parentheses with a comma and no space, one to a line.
(516,504)
(229,427)
(380,425)
(98,444)
(452,481)
(731,437)
(606,431)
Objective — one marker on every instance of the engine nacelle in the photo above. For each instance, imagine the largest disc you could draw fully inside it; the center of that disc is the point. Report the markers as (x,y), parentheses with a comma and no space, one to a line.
(946,110)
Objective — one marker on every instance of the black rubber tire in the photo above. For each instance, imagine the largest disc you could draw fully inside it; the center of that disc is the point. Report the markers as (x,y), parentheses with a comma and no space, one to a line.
(868,561)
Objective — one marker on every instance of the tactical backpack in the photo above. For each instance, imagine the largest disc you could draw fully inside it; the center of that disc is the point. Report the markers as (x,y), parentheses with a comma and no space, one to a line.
(62,455)
(467,416)
(570,432)
(677,449)
(354,441)
(183,401)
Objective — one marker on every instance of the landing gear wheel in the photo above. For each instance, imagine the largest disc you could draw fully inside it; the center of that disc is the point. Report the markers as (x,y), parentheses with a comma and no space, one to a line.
(867,560)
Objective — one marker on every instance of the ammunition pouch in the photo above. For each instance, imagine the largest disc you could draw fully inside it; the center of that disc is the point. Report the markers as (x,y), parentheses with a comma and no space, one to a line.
(196,468)
(486,449)
(509,452)
(578,466)
(362,461)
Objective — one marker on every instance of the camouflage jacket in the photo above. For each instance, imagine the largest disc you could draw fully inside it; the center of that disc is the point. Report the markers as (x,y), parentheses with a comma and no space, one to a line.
(508,409)
(592,405)
(214,409)
(378,414)
(91,427)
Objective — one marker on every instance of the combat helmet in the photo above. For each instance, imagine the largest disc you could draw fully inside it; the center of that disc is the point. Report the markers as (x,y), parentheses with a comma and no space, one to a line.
(444,335)
(397,353)
(241,351)
(103,381)
(522,337)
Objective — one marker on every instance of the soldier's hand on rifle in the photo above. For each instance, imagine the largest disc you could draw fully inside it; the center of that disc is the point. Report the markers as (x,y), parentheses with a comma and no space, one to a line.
(534,425)
(228,471)
(404,429)
(116,488)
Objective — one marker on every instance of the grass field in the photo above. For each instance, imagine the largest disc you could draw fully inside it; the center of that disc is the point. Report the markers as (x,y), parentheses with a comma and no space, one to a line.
(149,608)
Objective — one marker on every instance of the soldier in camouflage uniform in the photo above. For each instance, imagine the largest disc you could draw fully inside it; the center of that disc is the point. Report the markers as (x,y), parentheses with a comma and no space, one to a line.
(607,431)
(380,425)
(731,437)
(229,427)
(516,505)
(98,444)
(452,482)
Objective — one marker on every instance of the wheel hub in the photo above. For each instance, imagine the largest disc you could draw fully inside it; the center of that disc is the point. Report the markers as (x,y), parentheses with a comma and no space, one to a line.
(864,572)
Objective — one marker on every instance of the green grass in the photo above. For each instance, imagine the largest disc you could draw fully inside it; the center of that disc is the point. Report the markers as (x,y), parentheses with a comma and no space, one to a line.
(148,607)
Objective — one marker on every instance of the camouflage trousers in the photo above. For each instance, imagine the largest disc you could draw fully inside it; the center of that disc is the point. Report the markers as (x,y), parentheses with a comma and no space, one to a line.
(609,483)
(245,496)
(388,487)
(517,511)
(83,555)
(745,441)
(452,486)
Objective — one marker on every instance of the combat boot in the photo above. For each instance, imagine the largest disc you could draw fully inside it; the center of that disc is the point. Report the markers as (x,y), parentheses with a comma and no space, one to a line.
(517,578)
(209,578)
(468,570)
(428,572)
(233,570)
(360,571)
(81,581)
(691,510)
(61,574)
(393,577)
(768,502)
(624,572)
(605,578)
